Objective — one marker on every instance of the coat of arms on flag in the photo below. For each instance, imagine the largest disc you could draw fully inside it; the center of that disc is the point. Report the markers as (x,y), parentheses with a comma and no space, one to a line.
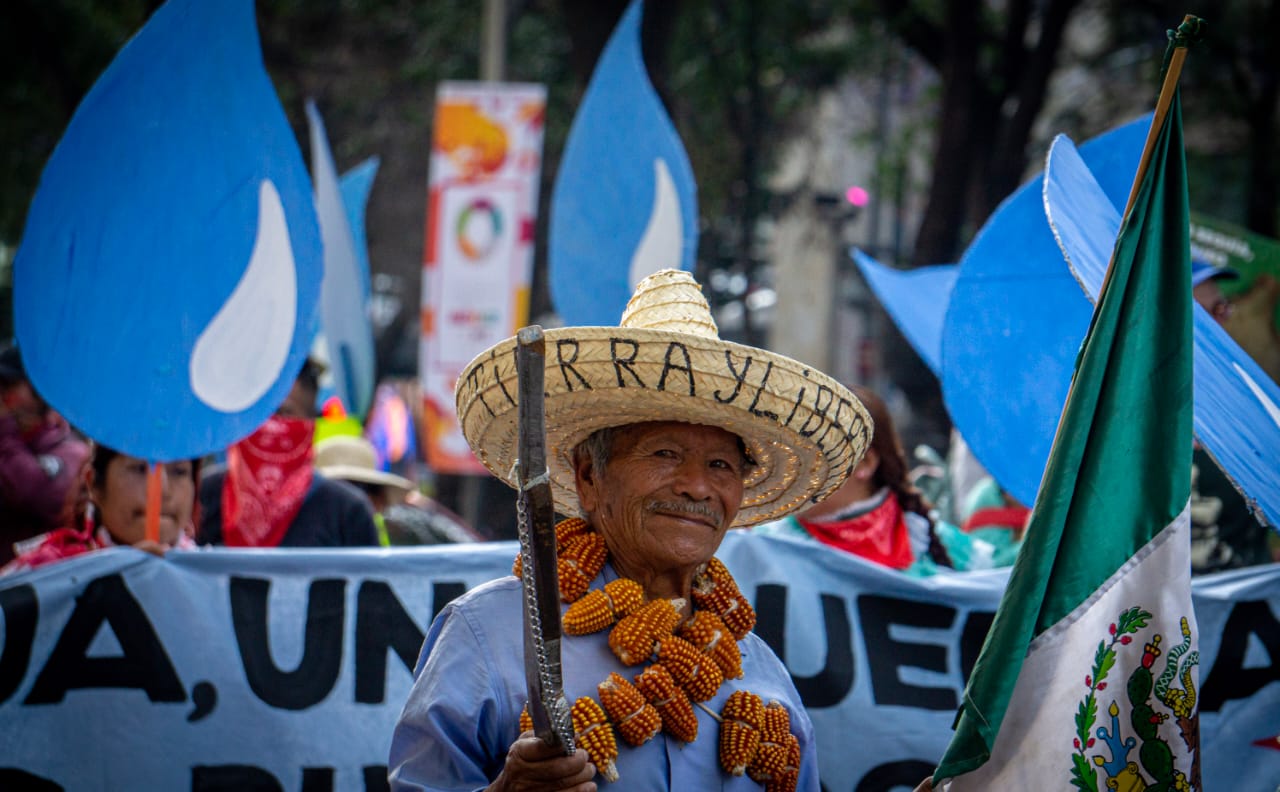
(1129,747)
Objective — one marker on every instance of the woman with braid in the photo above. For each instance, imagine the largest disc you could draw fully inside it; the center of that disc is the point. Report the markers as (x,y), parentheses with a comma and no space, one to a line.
(876,514)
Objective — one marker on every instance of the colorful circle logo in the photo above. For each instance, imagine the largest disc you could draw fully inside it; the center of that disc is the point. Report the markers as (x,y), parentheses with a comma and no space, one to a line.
(478,229)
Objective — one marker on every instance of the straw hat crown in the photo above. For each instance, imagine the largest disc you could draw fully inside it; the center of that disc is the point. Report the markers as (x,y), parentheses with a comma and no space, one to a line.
(670,300)
(666,362)
(354,459)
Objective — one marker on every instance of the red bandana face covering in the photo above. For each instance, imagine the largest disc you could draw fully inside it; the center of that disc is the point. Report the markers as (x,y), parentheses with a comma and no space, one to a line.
(879,535)
(268,475)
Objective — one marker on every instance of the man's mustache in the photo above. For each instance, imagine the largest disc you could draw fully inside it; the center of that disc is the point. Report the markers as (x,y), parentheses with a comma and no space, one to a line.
(691,508)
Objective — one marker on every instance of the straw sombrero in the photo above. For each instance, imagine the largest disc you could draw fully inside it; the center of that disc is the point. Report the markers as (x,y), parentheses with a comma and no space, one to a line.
(355,459)
(666,362)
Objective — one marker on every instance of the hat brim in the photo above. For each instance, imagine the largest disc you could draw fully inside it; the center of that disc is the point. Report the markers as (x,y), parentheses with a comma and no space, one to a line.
(804,430)
(365,476)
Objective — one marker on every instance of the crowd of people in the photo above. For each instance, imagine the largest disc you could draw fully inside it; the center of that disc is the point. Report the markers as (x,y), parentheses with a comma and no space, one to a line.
(62,494)
(650,481)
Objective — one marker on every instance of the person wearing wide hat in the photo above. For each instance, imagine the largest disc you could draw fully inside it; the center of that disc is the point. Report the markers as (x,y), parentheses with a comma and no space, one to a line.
(661,436)
(354,460)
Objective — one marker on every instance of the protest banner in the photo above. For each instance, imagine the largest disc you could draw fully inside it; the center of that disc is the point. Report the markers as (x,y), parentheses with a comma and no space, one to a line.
(274,669)
(486,154)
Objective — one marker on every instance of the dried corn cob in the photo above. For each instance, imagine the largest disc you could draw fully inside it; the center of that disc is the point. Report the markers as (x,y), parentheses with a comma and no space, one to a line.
(632,639)
(707,632)
(581,559)
(714,577)
(570,527)
(740,723)
(718,573)
(708,596)
(739,616)
(790,776)
(593,732)
(672,703)
(726,601)
(692,670)
(526,720)
(635,719)
(770,761)
(565,530)
(600,608)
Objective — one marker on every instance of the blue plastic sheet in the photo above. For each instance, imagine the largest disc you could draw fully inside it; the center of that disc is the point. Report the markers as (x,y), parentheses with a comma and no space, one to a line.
(625,202)
(1237,406)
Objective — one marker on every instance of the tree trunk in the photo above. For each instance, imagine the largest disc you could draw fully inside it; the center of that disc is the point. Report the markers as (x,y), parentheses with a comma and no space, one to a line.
(1032,75)
(1262,192)
(938,239)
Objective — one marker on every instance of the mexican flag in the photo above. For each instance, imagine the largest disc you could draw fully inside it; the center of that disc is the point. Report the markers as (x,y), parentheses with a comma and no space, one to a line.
(1088,678)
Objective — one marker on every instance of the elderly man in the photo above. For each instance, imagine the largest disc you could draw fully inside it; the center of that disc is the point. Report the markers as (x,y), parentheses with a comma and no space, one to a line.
(662,437)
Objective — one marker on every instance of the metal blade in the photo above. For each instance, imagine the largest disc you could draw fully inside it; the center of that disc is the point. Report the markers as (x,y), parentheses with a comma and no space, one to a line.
(536,511)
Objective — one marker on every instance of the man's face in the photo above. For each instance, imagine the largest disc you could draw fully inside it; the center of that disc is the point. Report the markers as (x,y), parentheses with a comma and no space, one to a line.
(300,403)
(1209,295)
(668,494)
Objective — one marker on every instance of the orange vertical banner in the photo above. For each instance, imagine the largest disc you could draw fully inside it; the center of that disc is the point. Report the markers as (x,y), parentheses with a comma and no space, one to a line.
(482,204)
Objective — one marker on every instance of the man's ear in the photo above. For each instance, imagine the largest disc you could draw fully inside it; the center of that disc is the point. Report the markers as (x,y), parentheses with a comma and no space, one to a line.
(585,481)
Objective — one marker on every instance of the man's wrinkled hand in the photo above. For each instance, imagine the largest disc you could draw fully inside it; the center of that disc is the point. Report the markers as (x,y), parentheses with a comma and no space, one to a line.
(532,764)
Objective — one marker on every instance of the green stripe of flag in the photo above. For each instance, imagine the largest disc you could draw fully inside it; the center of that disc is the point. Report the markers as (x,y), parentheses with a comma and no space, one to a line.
(1119,471)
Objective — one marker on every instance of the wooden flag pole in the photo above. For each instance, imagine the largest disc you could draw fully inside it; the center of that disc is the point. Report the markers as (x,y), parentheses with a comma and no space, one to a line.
(154,487)
(1171,76)
(1161,112)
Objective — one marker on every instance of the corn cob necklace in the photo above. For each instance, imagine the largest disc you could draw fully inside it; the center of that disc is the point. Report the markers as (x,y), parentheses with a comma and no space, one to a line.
(691,659)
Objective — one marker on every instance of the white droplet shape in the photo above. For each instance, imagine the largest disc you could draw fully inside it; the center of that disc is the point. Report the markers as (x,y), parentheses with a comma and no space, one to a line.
(663,238)
(1272,410)
(240,354)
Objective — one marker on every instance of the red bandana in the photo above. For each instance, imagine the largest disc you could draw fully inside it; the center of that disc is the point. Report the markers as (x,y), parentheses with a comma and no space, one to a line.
(878,535)
(268,475)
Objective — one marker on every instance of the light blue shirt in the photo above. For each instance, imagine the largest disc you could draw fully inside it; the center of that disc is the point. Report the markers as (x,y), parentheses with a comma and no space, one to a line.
(469,688)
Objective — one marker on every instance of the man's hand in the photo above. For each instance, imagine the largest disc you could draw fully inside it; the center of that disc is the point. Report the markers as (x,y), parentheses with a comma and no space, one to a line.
(532,765)
(925,785)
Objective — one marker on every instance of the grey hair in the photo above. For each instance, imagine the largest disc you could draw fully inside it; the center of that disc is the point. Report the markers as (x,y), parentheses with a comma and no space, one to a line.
(598,447)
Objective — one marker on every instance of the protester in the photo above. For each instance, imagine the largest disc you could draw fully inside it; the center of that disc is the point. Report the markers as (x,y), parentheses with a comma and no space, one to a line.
(1206,288)
(353,459)
(41,459)
(662,437)
(404,515)
(269,494)
(998,519)
(1225,534)
(117,509)
(877,514)
(1252,322)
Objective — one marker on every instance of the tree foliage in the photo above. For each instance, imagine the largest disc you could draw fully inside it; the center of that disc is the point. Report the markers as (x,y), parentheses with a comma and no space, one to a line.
(738,76)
